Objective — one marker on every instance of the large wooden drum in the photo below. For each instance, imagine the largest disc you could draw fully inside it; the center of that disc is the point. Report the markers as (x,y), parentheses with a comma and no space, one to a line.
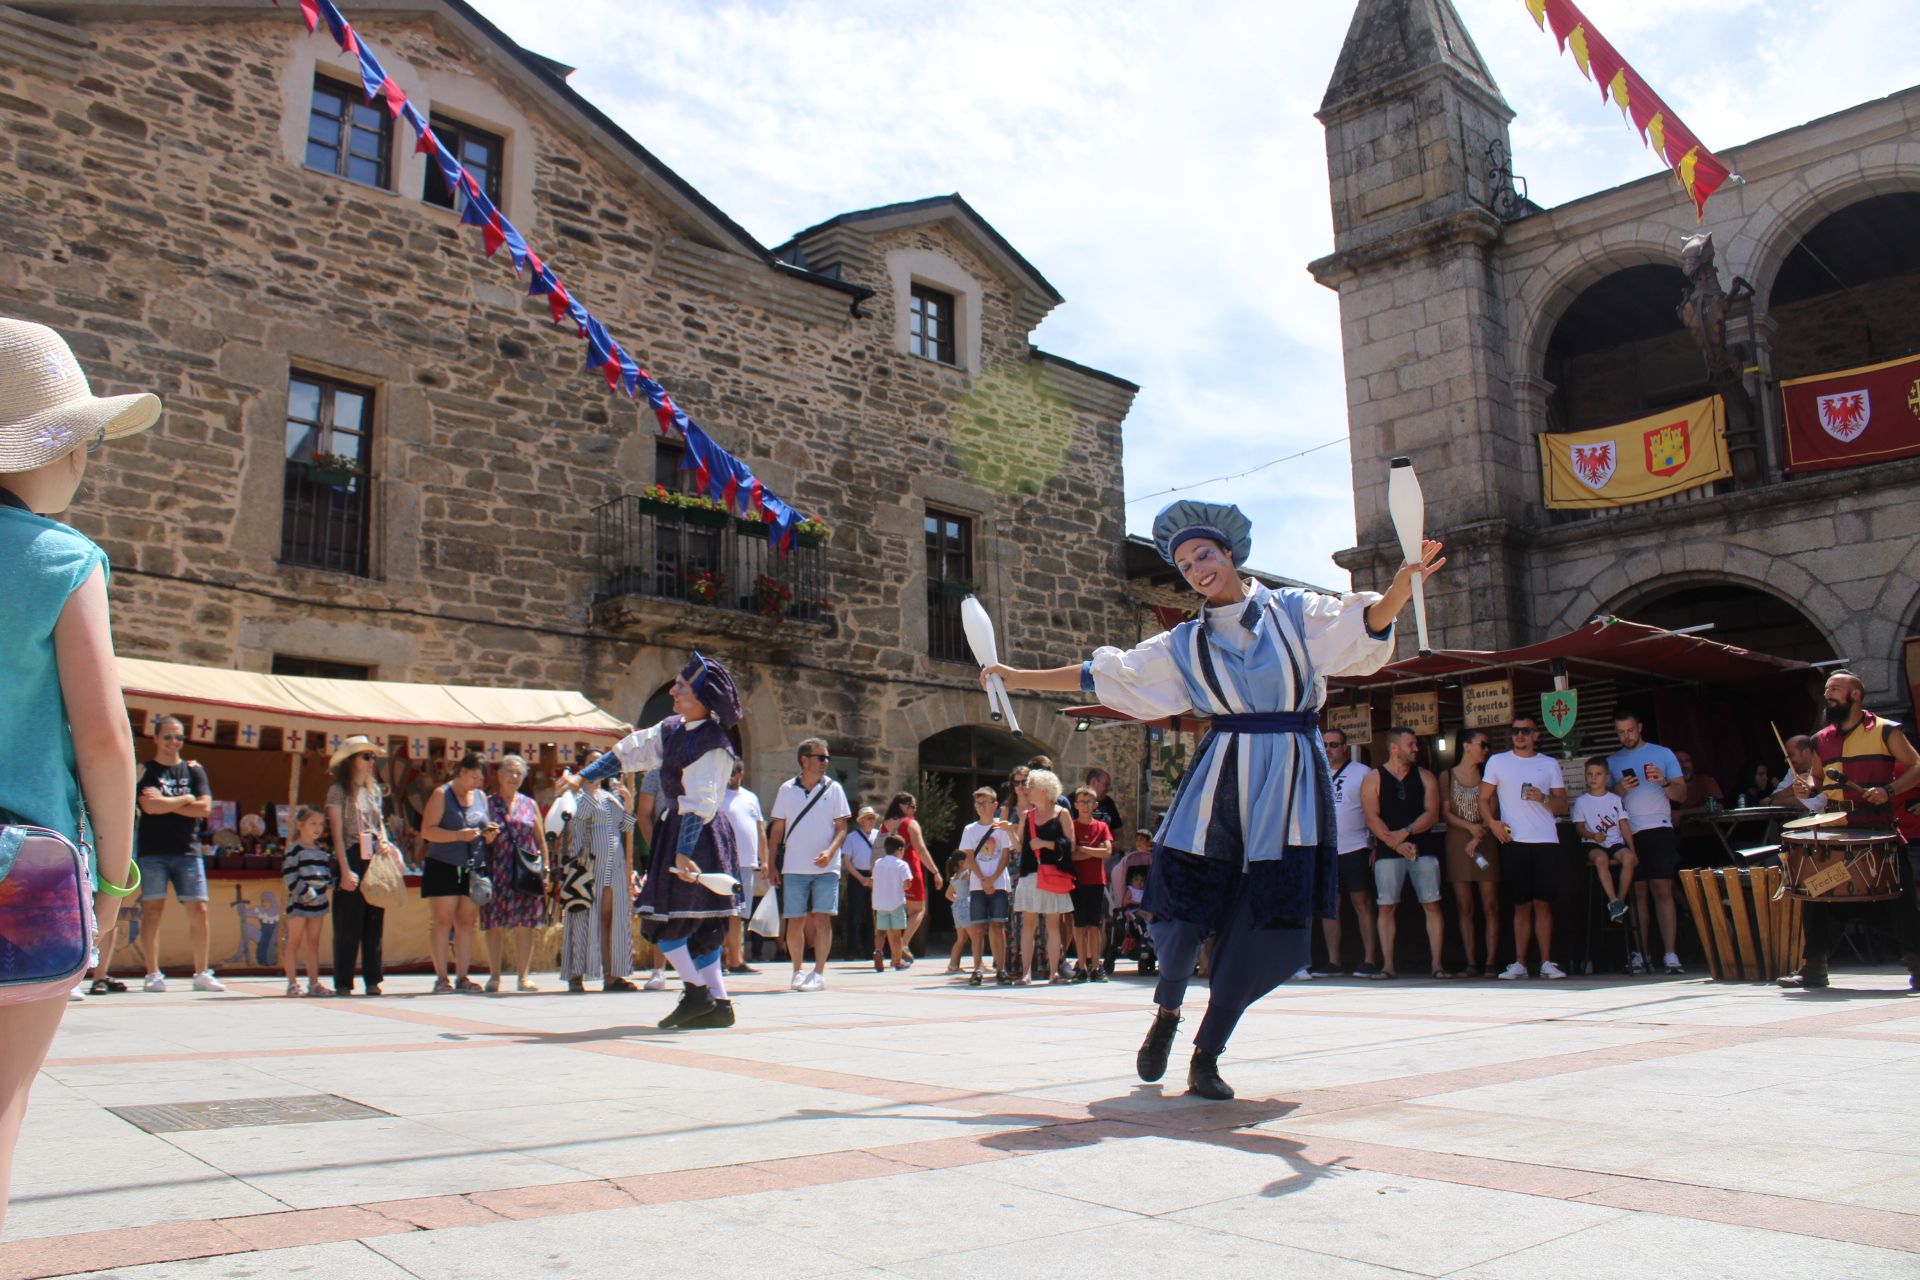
(1837,865)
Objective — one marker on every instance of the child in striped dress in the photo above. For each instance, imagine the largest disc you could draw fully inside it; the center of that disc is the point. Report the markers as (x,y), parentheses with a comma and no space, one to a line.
(307,870)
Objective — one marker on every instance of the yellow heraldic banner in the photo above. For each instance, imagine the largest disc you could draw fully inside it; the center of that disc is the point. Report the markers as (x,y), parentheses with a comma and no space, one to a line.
(1664,453)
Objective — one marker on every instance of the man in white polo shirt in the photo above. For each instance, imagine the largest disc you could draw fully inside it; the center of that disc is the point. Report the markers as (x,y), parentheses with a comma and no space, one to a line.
(1521,792)
(808,825)
(1356,869)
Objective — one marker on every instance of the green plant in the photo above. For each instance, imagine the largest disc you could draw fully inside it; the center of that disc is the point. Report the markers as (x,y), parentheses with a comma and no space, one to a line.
(704,585)
(938,812)
(771,597)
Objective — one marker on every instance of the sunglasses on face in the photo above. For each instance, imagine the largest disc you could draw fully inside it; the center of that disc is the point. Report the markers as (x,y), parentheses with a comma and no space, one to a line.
(819,757)
(1524,731)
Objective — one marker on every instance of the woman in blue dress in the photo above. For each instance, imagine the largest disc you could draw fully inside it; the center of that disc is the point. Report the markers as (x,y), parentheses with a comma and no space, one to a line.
(1245,852)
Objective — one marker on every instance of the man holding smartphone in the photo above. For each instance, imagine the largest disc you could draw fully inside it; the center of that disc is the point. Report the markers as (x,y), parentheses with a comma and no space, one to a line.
(1648,779)
(1521,792)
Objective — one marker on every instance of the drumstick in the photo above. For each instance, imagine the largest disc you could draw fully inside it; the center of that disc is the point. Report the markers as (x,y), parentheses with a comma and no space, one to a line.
(1409,513)
(1784,753)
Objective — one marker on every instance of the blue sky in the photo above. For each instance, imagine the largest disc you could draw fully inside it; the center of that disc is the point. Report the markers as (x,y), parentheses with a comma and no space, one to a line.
(1160,164)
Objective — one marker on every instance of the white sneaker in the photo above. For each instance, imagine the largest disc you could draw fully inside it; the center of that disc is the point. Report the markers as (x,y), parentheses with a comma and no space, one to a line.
(1305,975)
(1548,969)
(657,982)
(814,981)
(799,981)
(78,994)
(1636,963)
(155,982)
(205,981)
(1514,970)
(1674,965)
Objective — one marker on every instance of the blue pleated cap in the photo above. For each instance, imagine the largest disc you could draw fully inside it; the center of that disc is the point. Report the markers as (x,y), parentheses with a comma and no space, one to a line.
(1223,522)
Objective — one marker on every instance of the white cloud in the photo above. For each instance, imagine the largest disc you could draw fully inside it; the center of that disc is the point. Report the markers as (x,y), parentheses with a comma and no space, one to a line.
(1160,164)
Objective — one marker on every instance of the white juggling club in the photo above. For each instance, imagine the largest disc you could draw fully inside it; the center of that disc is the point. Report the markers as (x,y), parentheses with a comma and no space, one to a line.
(717,882)
(979,630)
(1409,512)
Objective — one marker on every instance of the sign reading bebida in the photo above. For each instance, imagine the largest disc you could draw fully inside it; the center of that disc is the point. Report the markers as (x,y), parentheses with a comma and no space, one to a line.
(1487,704)
(1419,712)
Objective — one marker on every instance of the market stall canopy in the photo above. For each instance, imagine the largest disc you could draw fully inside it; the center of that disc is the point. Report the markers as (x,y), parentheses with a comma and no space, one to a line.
(1606,648)
(335,706)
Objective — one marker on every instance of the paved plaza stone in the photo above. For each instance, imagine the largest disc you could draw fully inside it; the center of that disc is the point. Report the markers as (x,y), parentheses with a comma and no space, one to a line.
(900,1125)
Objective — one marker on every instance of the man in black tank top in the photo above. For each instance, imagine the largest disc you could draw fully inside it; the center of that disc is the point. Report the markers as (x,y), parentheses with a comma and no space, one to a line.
(1402,804)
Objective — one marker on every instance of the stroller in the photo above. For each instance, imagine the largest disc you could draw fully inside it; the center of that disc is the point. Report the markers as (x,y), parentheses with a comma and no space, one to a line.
(1127,937)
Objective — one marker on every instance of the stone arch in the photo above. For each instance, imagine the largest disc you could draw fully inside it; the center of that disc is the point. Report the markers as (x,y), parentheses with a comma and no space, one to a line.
(1750,616)
(1821,190)
(1550,288)
(1643,576)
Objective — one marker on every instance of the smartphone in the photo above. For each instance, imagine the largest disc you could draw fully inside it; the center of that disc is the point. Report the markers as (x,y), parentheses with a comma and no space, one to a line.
(1628,774)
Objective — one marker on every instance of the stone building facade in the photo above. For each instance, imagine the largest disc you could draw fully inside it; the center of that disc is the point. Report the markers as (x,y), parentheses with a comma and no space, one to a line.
(161,206)
(1473,320)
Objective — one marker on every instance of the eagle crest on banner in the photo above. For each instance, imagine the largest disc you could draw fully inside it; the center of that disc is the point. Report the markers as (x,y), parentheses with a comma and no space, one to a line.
(1846,415)
(1594,463)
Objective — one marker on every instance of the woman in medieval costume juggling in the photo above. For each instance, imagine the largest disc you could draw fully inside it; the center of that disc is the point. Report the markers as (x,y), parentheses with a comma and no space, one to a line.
(1246,850)
(685,918)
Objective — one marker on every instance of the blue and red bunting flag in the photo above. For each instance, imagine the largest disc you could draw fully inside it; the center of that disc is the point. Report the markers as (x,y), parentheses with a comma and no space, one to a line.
(723,477)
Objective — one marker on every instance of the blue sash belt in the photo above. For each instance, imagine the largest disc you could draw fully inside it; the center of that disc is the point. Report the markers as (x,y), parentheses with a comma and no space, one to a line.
(1269,722)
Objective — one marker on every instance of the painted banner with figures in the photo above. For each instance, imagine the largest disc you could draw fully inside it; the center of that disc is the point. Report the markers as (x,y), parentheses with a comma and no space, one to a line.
(1855,416)
(1652,457)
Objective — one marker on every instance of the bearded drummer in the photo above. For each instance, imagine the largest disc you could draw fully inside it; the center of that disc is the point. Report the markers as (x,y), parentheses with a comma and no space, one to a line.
(1865,761)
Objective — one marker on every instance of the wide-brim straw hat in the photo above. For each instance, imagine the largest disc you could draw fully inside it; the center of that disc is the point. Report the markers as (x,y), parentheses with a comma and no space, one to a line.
(47,409)
(358,744)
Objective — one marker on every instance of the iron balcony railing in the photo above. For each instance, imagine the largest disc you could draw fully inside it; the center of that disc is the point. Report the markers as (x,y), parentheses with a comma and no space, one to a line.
(705,558)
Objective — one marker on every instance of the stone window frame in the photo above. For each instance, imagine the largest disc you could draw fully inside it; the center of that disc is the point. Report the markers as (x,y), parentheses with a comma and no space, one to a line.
(946,641)
(450,90)
(456,134)
(289,664)
(907,268)
(369,432)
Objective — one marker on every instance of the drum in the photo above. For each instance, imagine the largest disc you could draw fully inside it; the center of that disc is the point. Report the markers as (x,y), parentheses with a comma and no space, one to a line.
(1838,865)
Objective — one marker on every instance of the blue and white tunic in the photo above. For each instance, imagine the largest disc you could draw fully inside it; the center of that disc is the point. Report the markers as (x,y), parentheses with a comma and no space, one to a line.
(1256,793)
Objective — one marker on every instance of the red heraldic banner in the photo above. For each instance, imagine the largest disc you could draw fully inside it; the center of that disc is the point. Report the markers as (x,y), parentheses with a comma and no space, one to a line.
(1853,417)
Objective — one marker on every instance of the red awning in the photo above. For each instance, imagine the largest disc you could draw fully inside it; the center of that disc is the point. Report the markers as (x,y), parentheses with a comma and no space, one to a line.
(1606,648)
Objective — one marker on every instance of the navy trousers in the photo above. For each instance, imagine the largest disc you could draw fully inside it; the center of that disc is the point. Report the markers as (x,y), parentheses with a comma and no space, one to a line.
(1247,963)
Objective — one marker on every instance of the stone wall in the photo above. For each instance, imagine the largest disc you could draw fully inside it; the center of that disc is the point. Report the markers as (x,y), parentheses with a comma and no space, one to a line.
(148,210)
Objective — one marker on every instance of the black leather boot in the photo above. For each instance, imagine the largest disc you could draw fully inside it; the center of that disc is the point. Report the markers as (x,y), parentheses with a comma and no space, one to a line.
(1151,1061)
(695,1002)
(1203,1077)
(719,1014)
(1808,979)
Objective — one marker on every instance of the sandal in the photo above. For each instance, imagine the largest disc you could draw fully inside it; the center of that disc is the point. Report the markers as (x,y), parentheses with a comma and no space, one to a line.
(524,985)
(974,979)
(1441,975)
(1385,975)
(493,984)
(99,987)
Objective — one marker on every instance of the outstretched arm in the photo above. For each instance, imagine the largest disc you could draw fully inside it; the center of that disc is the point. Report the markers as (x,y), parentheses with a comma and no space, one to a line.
(1050,680)
(1382,612)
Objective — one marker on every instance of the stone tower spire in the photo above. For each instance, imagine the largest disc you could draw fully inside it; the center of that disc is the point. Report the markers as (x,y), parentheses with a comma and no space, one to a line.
(1411,116)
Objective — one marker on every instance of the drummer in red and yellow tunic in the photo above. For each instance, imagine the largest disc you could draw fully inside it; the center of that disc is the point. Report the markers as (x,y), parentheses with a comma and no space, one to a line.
(1865,762)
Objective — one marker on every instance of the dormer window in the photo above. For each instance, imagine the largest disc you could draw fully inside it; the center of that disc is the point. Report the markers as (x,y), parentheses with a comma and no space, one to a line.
(930,324)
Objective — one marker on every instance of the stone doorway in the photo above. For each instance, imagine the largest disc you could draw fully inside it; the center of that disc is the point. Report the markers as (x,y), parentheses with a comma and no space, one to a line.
(968,757)
(660,706)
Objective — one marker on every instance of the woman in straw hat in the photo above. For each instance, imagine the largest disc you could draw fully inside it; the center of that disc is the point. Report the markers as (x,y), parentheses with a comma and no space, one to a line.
(1246,850)
(358,823)
(63,727)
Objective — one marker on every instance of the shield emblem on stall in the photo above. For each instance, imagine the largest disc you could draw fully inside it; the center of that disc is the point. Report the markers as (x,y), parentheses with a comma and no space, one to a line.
(1558,710)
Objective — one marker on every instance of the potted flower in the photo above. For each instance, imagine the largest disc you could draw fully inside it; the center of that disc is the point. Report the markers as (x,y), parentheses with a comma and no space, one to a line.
(811,533)
(771,598)
(335,470)
(689,508)
(704,585)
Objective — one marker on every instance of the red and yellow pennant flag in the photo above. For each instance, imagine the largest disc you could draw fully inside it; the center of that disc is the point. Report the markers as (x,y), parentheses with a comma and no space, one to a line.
(1853,417)
(1700,171)
(1651,457)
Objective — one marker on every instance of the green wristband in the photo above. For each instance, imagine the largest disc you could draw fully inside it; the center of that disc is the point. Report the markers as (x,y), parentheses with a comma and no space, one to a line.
(132,886)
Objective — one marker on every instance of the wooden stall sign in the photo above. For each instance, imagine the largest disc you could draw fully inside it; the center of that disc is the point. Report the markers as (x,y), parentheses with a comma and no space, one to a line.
(1487,705)
(1355,722)
(1419,712)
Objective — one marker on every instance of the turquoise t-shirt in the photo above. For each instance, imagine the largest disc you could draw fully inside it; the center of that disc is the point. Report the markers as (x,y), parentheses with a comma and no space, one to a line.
(42,562)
